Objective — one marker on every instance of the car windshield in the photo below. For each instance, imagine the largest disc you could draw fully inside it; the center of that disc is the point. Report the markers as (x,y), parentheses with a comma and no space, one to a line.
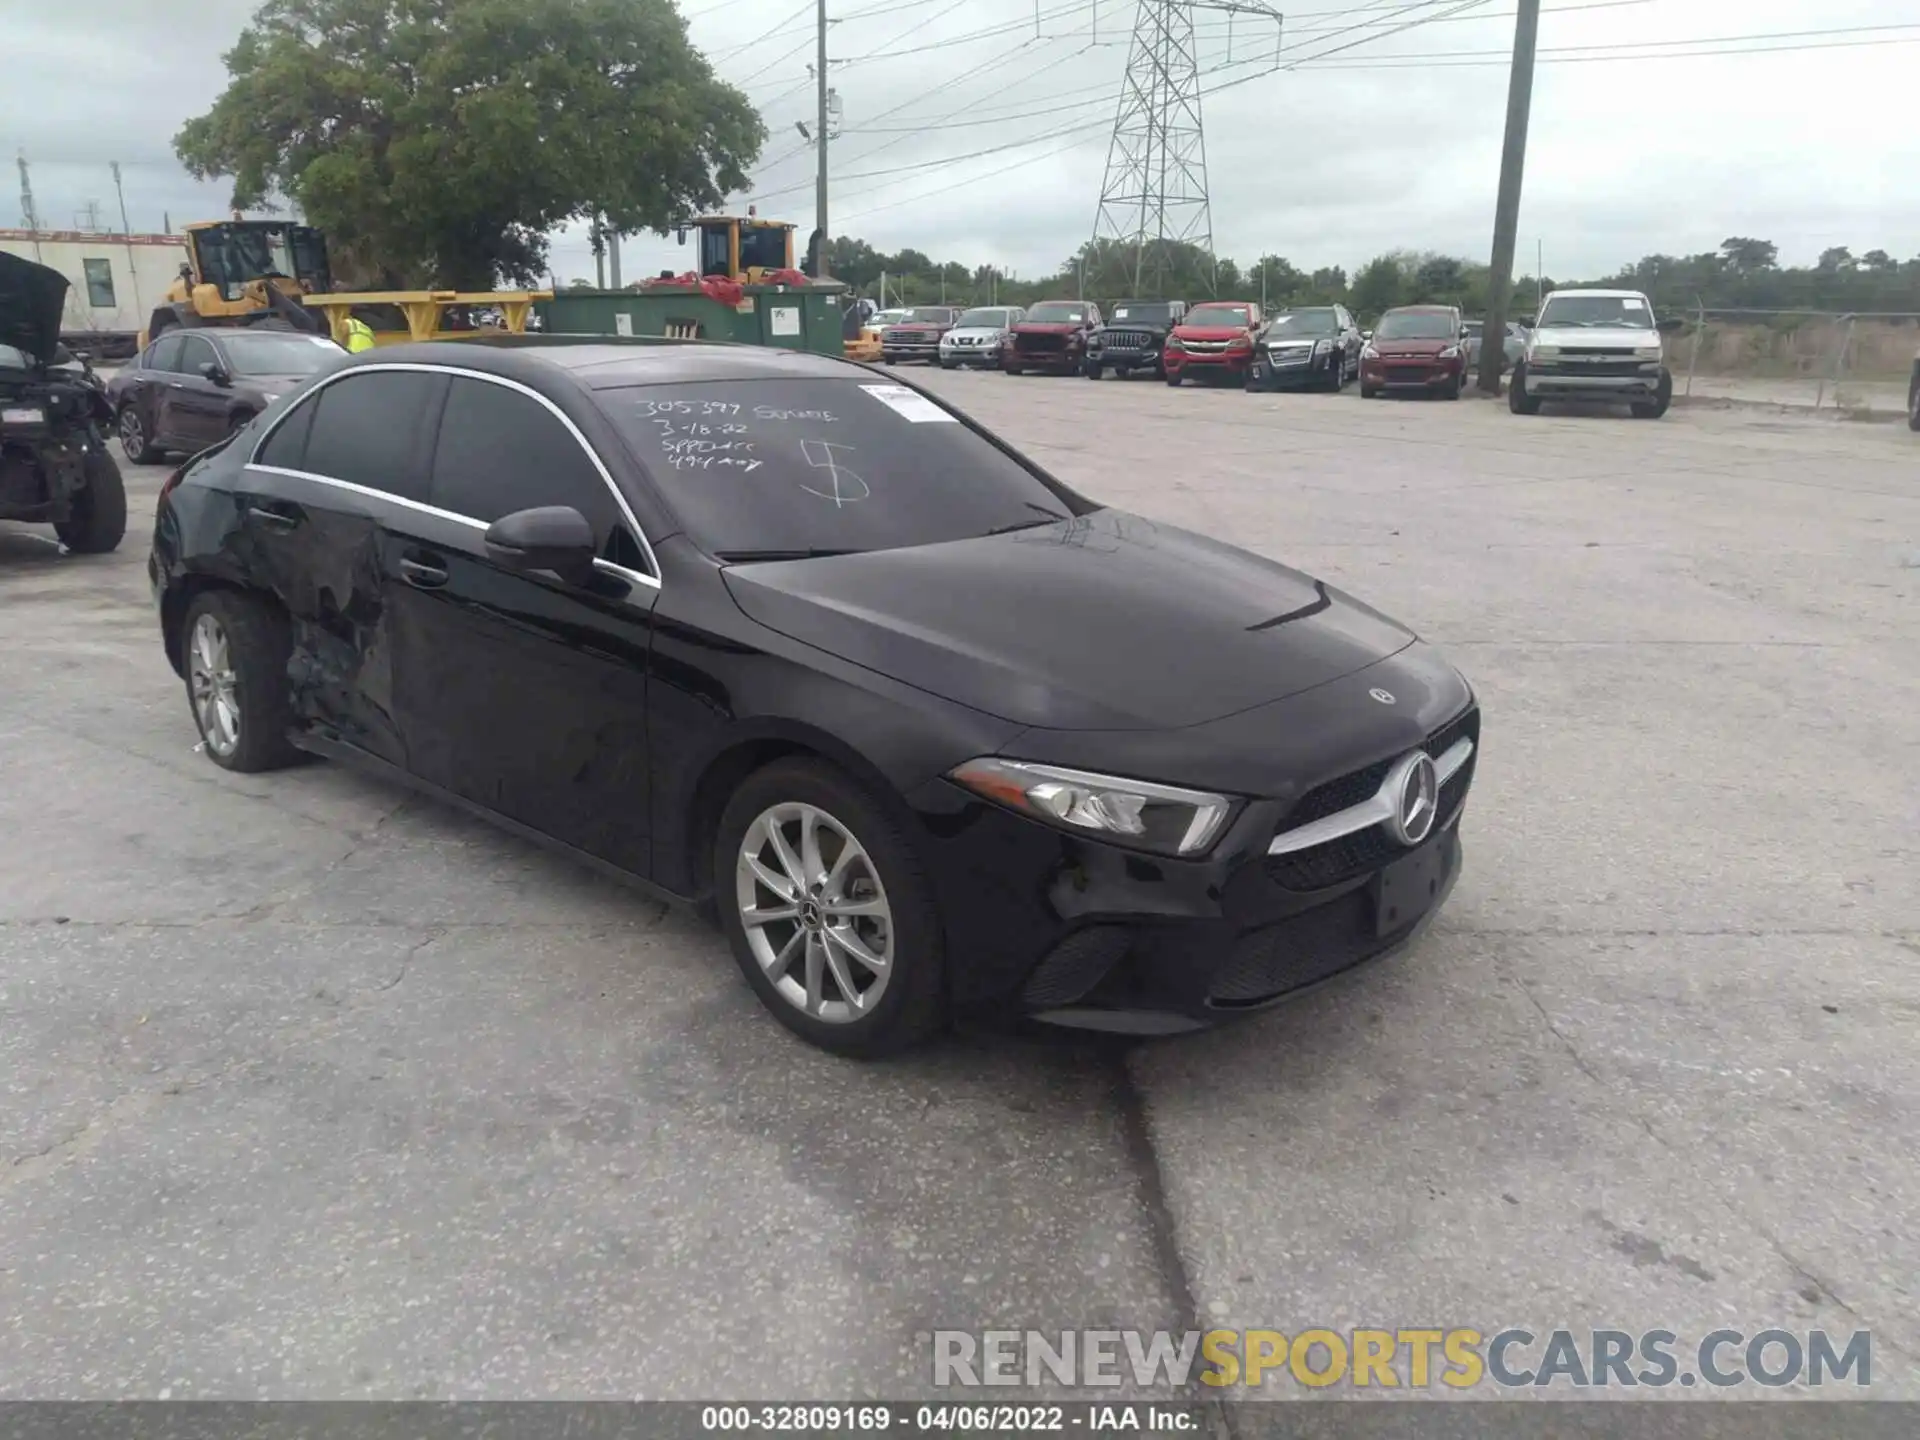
(783,468)
(929,315)
(1056,312)
(1146,312)
(1415,325)
(1303,322)
(1218,315)
(1593,311)
(270,354)
(982,320)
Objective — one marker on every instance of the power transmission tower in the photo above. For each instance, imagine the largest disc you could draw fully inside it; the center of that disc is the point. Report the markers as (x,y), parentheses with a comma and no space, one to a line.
(1154,196)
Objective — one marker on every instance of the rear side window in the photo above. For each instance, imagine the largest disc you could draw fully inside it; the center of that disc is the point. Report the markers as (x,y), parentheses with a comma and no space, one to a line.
(366,430)
(500,451)
(286,447)
(164,353)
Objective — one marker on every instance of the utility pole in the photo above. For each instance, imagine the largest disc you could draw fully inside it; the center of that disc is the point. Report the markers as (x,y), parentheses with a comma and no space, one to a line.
(26,205)
(1506,206)
(820,141)
(613,259)
(126,229)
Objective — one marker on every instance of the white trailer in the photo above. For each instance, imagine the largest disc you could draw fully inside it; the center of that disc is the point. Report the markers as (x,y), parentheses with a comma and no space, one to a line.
(114,281)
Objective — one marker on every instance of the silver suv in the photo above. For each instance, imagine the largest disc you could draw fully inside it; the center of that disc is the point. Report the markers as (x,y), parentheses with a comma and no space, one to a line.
(1595,345)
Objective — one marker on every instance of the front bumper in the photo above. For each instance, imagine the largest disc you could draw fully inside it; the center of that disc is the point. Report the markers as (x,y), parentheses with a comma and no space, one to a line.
(987,356)
(1553,381)
(1069,359)
(1123,359)
(1273,370)
(1208,362)
(1050,926)
(1421,375)
(897,350)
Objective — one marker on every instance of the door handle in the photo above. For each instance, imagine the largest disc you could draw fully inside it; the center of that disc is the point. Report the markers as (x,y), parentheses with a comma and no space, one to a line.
(422,575)
(270,518)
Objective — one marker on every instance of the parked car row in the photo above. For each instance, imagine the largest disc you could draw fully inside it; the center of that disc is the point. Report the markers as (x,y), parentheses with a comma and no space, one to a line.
(1586,344)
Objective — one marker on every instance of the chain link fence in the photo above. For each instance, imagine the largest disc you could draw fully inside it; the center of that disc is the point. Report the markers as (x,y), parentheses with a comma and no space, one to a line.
(1857,363)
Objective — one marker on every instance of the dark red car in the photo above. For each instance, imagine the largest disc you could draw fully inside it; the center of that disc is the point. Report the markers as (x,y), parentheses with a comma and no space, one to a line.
(1416,347)
(1215,340)
(1051,336)
(918,336)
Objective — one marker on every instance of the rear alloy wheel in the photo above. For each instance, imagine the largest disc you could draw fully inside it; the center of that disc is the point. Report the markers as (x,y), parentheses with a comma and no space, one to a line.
(135,443)
(831,919)
(234,650)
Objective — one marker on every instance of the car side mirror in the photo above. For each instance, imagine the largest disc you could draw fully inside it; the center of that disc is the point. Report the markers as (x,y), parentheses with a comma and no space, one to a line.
(1669,325)
(549,537)
(1525,322)
(212,371)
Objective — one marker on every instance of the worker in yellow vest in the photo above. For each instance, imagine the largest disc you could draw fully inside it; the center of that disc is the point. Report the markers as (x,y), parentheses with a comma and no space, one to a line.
(359,334)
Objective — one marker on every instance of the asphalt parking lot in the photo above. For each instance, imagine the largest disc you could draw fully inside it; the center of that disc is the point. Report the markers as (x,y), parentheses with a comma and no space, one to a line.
(311,1089)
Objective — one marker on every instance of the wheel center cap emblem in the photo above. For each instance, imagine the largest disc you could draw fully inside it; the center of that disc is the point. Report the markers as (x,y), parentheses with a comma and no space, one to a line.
(1415,789)
(810,915)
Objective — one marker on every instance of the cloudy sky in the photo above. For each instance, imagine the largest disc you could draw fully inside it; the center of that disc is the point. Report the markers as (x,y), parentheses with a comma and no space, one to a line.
(975,132)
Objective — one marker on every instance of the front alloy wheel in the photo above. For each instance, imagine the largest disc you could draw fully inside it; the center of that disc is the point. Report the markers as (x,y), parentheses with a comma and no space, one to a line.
(815,913)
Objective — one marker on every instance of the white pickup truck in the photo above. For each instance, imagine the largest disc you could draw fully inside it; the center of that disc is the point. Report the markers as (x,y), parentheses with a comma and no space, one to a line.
(1595,345)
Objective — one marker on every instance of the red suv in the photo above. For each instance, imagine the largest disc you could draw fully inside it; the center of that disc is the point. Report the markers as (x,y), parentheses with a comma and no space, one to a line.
(1215,339)
(1416,347)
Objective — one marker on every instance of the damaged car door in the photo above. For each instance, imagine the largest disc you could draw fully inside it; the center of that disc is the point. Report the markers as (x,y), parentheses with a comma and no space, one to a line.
(330,487)
(522,689)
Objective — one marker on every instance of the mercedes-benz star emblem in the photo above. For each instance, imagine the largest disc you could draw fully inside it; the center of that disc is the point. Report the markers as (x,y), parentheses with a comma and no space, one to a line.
(1385,697)
(1415,787)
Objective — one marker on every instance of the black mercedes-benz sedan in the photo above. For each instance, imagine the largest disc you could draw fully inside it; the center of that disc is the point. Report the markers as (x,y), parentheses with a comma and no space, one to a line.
(775,634)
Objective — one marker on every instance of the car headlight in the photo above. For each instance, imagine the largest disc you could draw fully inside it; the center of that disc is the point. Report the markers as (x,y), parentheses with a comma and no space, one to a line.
(269,396)
(1647,352)
(1450,353)
(1320,347)
(1174,342)
(1155,817)
(1544,352)
(1367,352)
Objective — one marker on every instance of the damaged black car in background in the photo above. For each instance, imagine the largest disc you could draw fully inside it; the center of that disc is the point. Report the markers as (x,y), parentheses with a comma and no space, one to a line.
(54,465)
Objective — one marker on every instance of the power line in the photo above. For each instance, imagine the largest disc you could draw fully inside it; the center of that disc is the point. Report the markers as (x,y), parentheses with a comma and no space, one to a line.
(975,180)
(1636,49)
(1395,30)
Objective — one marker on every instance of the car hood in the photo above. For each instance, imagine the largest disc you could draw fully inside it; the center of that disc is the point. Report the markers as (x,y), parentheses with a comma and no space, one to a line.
(1208,332)
(976,332)
(1047,327)
(1413,346)
(1587,337)
(32,299)
(926,325)
(1105,622)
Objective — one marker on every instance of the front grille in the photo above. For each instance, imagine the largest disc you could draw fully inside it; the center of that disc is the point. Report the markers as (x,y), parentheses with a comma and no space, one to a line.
(1350,855)
(1408,374)
(1269,962)
(1298,356)
(1601,352)
(1128,340)
(1042,344)
(1206,347)
(1611,369)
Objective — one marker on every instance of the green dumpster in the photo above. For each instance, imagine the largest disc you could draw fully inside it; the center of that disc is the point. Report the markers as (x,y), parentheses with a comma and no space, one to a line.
(784,316)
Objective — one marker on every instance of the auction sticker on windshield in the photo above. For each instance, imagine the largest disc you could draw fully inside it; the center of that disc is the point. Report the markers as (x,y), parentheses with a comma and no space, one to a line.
(909,403)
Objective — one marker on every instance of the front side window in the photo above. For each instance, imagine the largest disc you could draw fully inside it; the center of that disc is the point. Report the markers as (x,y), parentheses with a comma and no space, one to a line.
(500,451)
(1416,325)
(366,430)
(100,284)
(763,246)
(760,468)
(195,352)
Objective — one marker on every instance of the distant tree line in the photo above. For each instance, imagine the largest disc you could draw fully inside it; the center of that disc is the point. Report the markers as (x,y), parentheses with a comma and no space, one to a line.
(1743,274)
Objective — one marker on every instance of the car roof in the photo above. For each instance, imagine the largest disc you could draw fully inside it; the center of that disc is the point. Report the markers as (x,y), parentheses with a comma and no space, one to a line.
(1419,309)
(1599,294)
(600,362)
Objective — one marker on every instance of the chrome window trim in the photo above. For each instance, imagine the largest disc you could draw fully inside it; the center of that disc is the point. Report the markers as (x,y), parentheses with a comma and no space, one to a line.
(306,398)
(605,566)
(1369,812)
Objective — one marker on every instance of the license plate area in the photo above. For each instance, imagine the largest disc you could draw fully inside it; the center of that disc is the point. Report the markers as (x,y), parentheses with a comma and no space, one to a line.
(23,415)
(1408,888)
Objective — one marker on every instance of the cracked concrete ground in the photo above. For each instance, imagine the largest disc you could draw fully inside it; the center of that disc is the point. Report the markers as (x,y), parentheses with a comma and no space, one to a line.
(308,1089)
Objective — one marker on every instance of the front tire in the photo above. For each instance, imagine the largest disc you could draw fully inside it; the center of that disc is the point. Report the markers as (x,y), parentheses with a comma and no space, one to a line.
(831,918)
(1174,377)
(1095,372)
(1369,392)
(1913,404)
(1452,388)
(135,443)
(1518,400)
(97,519)
(1662,398)
(234,650)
